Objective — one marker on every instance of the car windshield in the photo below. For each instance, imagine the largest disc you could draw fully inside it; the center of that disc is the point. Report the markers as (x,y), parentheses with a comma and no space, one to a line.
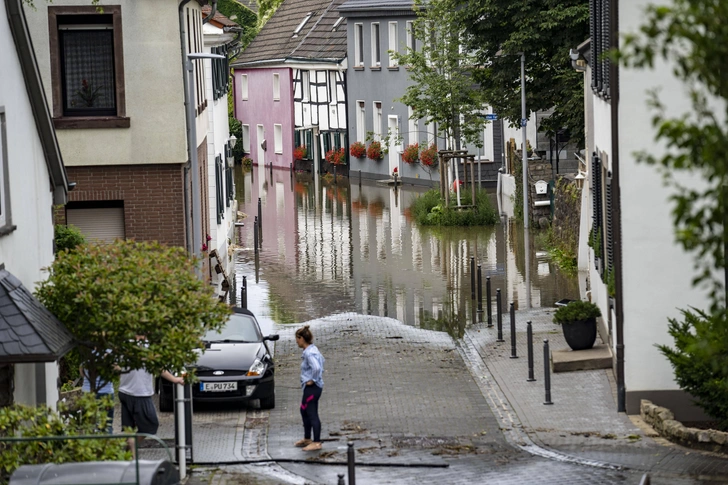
(239,328)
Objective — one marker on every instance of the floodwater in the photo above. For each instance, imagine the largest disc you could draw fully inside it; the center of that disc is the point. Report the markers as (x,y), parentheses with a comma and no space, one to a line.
(329,248)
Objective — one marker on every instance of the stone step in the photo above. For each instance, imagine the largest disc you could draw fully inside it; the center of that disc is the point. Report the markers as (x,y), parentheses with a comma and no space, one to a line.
(567,360)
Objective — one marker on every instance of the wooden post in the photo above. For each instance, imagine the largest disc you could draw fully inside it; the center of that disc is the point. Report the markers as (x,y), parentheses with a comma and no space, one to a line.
(472,177)
(446,162)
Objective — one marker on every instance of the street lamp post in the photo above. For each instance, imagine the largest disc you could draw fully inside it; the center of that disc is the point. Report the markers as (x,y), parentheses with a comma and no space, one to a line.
(524,151)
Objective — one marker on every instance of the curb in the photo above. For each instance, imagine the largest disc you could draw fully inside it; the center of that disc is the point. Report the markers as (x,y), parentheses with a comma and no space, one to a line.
(507,418)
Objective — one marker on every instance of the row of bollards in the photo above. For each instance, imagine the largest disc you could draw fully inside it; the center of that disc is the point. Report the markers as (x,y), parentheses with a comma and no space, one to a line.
(349,465)
(476,290)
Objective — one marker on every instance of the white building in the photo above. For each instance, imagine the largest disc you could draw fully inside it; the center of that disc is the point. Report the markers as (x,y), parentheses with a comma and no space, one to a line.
(32,181)
(626,204)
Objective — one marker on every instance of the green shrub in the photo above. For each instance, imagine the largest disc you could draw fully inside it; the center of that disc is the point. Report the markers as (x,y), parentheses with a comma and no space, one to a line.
(700,360)
(429,209)
(576,311)
(67,237)
(85,416)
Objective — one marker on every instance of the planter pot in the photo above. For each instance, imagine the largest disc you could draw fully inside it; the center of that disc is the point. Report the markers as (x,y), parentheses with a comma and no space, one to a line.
(580,335)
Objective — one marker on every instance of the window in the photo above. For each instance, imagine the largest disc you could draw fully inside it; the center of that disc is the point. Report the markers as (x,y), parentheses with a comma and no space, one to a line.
(430,127)
(302,24)
(600,43)
(5,220)
(306,83)
(337,24)
(413,125)
(246,138)
(244,87)
(219,197)
(392,44)
(87,72)
(276,87)
(377,119)
(358,45)
(194,45)
(376,59)
(361,122)
(220,73)
(278,138)
(411,41)
(333,87)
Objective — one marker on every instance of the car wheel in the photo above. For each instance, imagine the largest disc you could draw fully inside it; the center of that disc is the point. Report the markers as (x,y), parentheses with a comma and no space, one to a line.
(268,402)
(166,399)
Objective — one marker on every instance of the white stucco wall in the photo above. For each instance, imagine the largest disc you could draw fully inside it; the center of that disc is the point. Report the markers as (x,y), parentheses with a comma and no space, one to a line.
(29,247)
(153,78)
(657,272)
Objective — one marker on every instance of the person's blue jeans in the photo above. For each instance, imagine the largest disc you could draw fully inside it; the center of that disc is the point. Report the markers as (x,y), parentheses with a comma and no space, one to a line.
(309,412)
(110,414)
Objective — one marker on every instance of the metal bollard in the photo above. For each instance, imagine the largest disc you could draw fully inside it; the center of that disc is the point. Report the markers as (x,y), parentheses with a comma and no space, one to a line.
(472,278)
(350,462)
(290,166)
(341,479)
(529,337)
(547,371)
(244,294)
(490,303)
(359,178)
(260,215)
(499,315)
(514,355)
(255,234)
(480,293)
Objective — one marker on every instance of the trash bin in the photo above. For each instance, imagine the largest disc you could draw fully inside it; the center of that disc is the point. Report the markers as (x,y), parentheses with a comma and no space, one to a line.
(151,472)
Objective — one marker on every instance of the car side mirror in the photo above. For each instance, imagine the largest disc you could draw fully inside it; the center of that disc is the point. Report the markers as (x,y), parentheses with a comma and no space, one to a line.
(272,338)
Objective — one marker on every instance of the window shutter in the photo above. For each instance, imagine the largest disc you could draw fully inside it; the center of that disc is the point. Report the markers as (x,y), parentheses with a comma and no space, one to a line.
(218,189)
(593,47)
(607,37)
(596,42)
(596,172)
(609,229)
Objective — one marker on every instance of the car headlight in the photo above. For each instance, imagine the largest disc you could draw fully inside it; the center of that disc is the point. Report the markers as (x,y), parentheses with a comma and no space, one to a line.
(257,369)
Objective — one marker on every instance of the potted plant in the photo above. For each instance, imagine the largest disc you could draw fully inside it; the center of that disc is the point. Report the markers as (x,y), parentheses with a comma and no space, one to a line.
(428,157)
(357,150)
(411,153)
(578,321)
(300,152)
(336,156)
(374,152)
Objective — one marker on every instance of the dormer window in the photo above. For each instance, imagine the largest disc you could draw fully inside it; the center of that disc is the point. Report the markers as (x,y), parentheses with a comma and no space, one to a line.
(302,24)
(337,23)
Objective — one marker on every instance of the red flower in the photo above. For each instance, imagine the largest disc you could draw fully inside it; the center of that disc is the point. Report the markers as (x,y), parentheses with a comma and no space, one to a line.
(336,156)
(204,247)
(428,157)
(300,152)
(411,153)
(357,150)
(374,152)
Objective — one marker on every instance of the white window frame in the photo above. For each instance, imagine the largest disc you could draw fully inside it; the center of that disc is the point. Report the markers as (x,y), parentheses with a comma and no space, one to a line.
(302,24)
(358,45)
(305,85)
(361,121)
(276,86)
(244,90)
(5,214)
(393,44)
(333,88)
(376,45)
(246,138)
(411,41)
(413,130)
(278,138)
(377,120)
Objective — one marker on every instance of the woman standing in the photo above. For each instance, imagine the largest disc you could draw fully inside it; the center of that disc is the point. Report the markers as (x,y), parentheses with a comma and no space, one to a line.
(312,382)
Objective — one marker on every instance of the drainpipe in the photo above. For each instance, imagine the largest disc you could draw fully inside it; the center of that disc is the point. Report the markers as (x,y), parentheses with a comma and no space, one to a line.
(211,14)
(183,47)
(617,209)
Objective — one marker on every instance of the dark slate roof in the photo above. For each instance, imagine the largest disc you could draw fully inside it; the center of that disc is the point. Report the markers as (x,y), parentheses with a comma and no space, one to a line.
(275,42)
(394,7)
(28,331)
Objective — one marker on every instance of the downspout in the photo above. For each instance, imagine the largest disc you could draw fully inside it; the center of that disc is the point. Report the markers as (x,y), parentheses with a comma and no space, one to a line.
(183,46)
(617,208)
(211,14)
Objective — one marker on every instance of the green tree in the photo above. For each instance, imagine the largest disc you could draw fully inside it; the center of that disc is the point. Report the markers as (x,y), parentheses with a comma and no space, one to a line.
(442,89)
(692,36)
(498,30)
(266,9)
(241,15)
(107,295)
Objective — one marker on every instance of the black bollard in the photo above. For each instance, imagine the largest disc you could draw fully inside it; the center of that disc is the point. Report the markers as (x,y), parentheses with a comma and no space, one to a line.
(260,215)
(480,293)
(350,462)
(529,337)
(472,278)
(547,371)
(244,294)
(341,479)
(290,166)
(255,234)
(499,315)
(514,355)
(490,303)
(359,178)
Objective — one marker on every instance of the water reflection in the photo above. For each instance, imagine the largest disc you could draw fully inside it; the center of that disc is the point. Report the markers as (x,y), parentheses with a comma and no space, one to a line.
(333,247)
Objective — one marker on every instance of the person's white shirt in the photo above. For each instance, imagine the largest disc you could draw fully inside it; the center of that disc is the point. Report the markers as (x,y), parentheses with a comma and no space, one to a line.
(138,383)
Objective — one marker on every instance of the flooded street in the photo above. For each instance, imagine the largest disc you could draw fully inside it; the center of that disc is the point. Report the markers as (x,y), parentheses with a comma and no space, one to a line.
(339,247)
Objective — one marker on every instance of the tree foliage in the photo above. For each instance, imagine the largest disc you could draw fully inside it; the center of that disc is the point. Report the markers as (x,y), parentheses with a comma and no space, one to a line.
(442,89)
(498,30)
(107,295)
(67,237)
(241,15)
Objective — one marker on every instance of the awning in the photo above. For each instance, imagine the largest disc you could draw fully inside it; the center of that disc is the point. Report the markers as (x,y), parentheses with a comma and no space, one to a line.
(28,331)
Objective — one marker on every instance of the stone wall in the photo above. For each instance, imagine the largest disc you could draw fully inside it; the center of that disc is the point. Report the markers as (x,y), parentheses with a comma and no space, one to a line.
(663,420)
(567,213)
(538,170)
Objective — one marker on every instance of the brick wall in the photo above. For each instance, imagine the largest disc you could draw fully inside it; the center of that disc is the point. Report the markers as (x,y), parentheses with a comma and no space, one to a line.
(152,196)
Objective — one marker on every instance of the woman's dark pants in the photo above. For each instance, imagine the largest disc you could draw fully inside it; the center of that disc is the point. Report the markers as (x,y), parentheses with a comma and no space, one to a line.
(309,412)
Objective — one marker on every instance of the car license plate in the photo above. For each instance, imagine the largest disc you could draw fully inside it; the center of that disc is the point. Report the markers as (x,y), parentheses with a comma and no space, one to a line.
(218,386)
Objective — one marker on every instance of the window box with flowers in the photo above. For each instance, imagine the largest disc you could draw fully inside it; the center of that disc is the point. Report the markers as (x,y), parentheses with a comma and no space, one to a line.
(358,150)
(374,152)
(336,156)
(300,152)
(428,157)
(411,153)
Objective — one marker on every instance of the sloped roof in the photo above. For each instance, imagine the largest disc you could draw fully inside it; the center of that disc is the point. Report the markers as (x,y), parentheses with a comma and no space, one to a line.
(317,41)
(218,18)
(387,6)
(28,331)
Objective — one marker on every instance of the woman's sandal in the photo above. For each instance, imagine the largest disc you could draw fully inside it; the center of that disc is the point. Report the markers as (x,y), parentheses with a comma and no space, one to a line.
(314,446)
(302,443)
